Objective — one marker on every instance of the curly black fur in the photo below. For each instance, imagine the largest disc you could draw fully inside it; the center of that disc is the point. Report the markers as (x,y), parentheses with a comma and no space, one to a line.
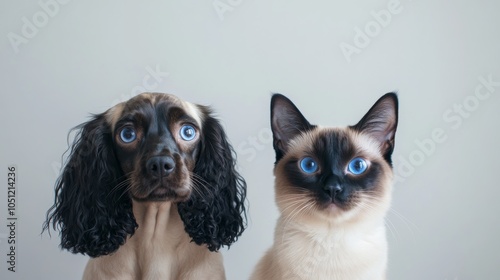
(217,217)
(92,217)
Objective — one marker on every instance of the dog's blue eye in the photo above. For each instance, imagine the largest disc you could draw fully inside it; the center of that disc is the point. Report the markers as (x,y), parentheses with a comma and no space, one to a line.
(308,165)
(357,166)
(128,135)
(188,132)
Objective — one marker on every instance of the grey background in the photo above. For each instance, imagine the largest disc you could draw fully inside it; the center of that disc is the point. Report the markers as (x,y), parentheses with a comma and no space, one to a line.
(88,55)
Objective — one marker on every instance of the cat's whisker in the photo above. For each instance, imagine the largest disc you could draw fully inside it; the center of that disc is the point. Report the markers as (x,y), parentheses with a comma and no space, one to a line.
(412,227)
(292,205)
(406,221)
(392,228)
(289,199)
(370,205)
(299,208)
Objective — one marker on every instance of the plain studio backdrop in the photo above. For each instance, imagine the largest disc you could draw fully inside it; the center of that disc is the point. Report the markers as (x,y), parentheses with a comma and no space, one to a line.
(60,61)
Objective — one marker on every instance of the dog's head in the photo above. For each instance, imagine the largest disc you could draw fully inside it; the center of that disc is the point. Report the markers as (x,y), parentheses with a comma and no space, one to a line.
(153,147)
(156,140)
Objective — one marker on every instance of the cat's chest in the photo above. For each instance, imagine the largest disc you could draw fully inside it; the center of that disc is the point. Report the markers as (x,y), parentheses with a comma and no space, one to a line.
(335,256)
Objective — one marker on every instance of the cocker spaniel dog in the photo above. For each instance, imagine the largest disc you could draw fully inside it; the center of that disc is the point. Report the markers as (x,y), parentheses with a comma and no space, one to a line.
(150,191)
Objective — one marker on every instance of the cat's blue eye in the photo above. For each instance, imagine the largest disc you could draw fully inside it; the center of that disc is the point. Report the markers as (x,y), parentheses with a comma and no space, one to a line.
(308,165)
(187,132)
(128,135)
(357,166)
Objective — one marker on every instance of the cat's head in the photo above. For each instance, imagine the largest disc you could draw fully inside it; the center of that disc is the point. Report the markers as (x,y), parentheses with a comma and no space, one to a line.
(341,174)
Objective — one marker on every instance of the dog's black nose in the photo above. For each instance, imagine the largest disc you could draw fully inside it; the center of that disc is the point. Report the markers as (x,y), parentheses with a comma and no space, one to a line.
(160,166)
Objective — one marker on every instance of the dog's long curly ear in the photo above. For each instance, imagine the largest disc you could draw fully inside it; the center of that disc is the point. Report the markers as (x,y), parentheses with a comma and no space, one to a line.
(91,211)
(215,214)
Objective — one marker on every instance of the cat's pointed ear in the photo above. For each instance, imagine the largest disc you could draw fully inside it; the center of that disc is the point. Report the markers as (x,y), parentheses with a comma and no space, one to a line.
(381,122)
(286,123)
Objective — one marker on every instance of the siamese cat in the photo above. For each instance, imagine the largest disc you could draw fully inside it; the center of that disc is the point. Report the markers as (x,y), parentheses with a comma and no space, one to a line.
(333,189)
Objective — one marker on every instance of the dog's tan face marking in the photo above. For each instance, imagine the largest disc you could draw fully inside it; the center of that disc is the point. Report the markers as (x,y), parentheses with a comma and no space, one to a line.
(156,138)
(113,114)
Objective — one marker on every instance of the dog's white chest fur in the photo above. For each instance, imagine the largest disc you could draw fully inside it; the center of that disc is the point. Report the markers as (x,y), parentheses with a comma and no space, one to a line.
(331,254)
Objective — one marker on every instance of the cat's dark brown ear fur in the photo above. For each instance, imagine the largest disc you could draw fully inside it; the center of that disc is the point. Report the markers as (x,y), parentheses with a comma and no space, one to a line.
(286,123)
(381,122)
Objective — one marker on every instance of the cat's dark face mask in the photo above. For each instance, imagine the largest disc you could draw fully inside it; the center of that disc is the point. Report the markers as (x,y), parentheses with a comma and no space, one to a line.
(334,170)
